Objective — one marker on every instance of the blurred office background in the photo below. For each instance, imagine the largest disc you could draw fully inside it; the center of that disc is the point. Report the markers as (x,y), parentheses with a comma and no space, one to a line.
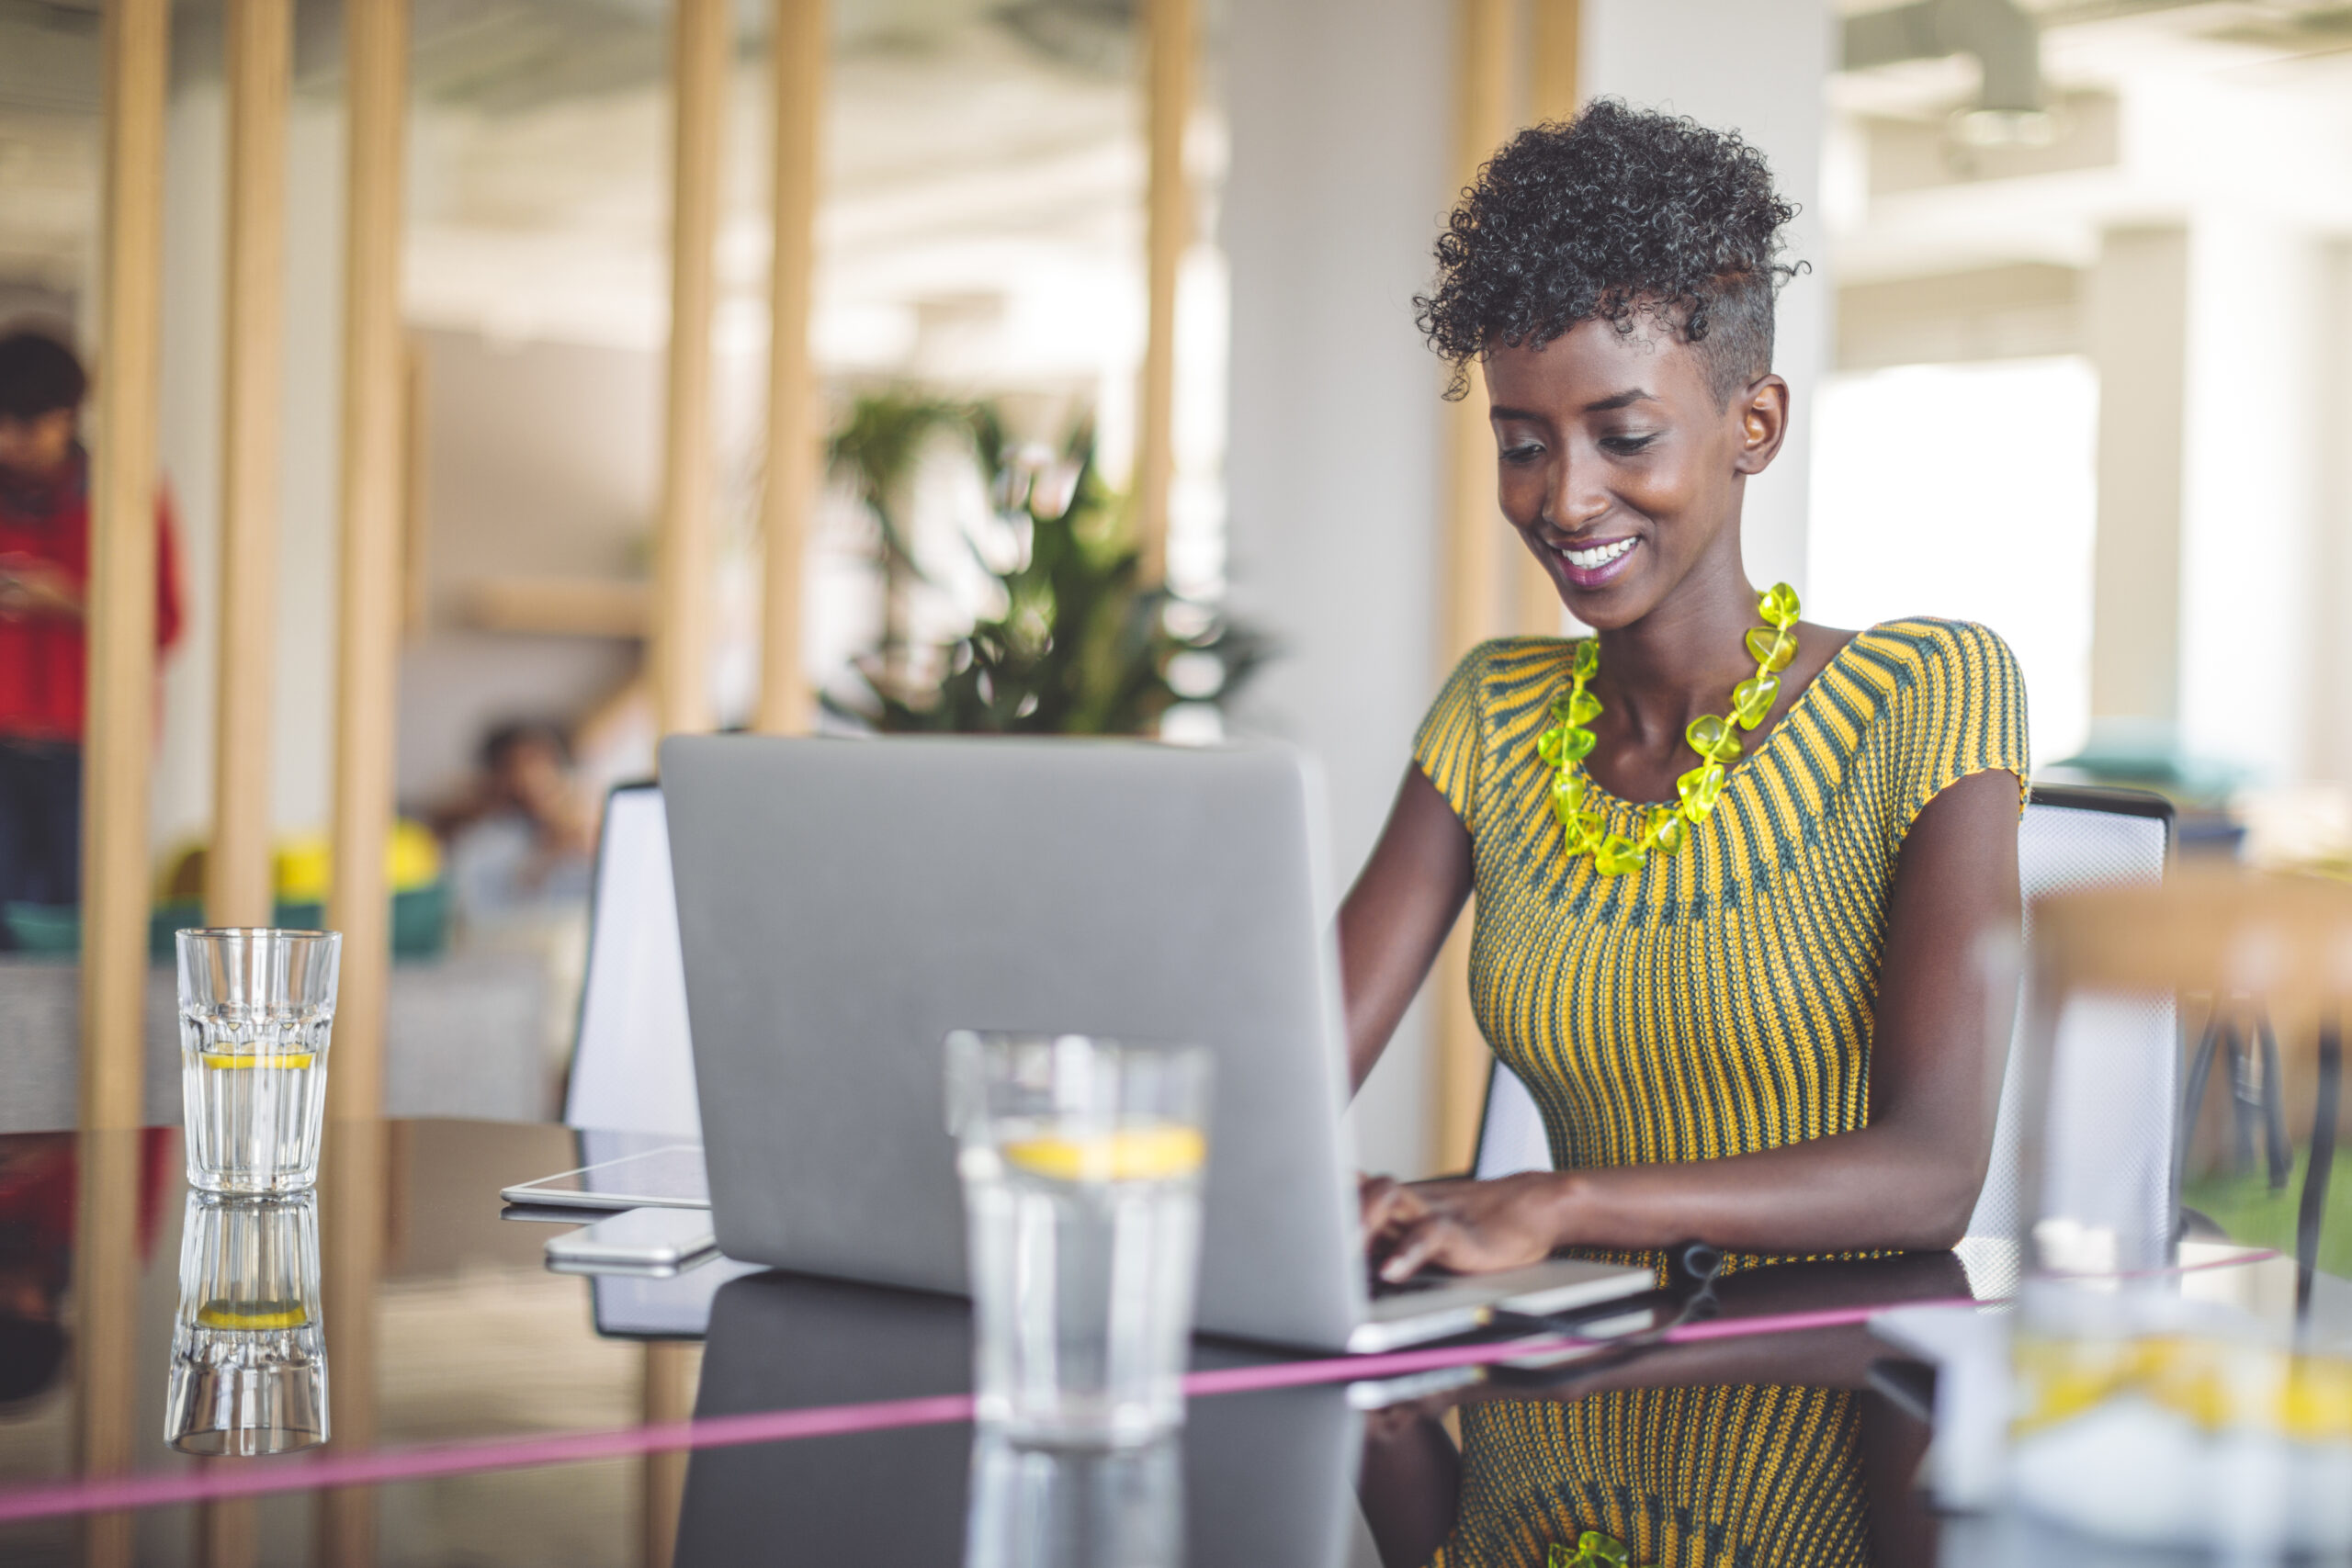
(2069,359)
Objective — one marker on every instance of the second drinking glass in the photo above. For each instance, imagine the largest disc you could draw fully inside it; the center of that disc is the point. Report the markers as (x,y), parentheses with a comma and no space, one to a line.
(1082,1162)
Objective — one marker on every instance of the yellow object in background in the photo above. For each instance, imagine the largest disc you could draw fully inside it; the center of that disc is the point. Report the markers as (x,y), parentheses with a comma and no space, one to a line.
(304,863)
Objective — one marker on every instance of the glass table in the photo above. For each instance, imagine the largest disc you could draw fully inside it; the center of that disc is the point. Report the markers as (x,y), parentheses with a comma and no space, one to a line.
(487,1411)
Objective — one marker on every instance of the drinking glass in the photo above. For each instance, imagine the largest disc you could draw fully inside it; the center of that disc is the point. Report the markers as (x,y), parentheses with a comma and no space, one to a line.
(256,1009)
(1082,1162)
(249,1360)
(2179,1352)
(1101,1508)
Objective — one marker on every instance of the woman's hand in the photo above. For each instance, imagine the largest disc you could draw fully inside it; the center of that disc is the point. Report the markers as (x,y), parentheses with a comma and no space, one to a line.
(1471,1227)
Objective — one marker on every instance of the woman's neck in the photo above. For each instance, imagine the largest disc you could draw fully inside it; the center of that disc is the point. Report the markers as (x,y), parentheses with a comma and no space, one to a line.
(1683,657)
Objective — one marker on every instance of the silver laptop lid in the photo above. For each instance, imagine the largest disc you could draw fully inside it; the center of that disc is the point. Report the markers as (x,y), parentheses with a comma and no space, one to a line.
(844,905)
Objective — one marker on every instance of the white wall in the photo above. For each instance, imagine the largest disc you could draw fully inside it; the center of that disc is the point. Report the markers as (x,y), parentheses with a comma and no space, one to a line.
(189,439)
(1758,67)
(1340,124)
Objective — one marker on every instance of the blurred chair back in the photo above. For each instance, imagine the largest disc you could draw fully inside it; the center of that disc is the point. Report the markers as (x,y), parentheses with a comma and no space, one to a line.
(2070,838)
(2122,1115)
(632,1062)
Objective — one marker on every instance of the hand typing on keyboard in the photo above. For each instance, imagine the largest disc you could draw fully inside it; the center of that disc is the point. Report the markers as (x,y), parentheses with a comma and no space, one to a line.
(1470,1227)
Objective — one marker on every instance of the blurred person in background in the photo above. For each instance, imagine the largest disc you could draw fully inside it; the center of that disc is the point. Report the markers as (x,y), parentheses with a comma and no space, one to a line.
(522,839)
(44,580)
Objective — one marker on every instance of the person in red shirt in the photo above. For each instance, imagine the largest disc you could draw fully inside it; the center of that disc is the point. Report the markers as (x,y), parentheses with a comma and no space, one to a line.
(44,578)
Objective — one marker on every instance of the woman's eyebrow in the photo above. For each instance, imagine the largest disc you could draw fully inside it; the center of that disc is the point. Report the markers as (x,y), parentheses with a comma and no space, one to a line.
(1625,399)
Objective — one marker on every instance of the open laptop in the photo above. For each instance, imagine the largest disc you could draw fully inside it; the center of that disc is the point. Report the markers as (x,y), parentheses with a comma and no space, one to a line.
(844,905)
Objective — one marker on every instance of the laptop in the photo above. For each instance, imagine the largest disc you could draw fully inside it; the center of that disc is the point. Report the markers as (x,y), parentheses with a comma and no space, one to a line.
(844,905)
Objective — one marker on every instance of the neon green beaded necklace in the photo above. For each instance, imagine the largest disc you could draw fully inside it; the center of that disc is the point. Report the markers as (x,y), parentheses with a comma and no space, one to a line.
(1564,746)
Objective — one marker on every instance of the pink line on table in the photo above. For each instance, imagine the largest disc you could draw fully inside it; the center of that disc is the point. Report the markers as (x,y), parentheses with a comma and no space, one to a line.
(784,1426)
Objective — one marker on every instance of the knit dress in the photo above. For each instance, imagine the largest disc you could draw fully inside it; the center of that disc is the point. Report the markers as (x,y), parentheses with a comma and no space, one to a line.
(1711,1003)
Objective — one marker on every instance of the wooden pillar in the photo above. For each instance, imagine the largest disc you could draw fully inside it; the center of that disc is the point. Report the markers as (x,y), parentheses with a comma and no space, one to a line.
(682,590)
(416,471)
(368,603)
(1476,539)
(1556,38)
(355,1220)
(119,743)
(1171,42)
(667,1397)
(237,865)
(1552,94)
(798,94)
(109,1379)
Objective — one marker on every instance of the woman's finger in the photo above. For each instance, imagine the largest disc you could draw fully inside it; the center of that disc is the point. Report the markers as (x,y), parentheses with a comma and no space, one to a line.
(1420,1242)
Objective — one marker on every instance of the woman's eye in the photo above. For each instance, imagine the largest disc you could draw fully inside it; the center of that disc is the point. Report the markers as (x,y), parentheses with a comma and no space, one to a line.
(1626,446)
(1523,454)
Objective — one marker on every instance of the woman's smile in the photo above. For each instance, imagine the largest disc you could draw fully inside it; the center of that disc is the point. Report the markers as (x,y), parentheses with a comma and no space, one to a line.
(1593,563)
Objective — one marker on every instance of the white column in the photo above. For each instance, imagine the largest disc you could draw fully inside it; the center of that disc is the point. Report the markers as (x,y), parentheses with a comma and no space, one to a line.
(2251,488)
(1341,119)
(1756,67)
(2136,321)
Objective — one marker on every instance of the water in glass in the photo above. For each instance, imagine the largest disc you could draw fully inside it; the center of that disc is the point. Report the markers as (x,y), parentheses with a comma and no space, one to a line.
(1083,1222)
(256,1008)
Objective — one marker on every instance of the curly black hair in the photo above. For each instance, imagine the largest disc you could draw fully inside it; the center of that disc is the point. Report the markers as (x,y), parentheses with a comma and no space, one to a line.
(1614,215)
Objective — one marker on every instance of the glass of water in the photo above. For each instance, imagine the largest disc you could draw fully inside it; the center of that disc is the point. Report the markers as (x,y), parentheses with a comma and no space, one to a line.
(1081,1161)
(256,1009)
(249,1360)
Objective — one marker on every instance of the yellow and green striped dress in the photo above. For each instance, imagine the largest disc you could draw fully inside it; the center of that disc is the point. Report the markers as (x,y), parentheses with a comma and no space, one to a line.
(1714,1002)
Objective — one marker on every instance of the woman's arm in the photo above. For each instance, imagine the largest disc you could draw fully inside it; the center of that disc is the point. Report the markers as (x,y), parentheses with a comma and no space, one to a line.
(1908,1179)
(1397,914)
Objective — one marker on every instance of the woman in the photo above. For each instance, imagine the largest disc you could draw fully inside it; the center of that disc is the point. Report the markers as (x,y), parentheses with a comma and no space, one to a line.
(1742,983)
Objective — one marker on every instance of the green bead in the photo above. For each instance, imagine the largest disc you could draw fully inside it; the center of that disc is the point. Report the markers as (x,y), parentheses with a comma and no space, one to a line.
(1583,707)
(1559,1556)
(1547,745)
(1575,745)
(1699,790)
(1753,698)
(1668,832)
(1711,735)
(1587,660)
(1601,1548)
(1769,648)
(1778,606)
(1618,854)
(1567,796)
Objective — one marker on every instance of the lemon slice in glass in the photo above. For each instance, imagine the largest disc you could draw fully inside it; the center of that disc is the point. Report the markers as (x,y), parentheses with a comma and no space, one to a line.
(1132,1154)
(252,1314)
(236,1061)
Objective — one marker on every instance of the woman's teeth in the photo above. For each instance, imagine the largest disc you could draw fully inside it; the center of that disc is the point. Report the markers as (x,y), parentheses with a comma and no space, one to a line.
(1598,556)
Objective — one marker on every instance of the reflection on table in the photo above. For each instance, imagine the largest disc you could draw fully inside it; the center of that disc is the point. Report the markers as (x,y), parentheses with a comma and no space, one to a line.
(1767,1450)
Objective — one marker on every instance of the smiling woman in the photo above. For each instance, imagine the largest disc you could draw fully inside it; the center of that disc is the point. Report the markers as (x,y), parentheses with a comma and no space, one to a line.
(1730,876)
(1772,1035)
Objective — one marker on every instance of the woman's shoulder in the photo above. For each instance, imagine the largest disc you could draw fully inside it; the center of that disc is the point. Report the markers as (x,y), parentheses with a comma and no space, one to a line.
(1502,667)
(1934,653)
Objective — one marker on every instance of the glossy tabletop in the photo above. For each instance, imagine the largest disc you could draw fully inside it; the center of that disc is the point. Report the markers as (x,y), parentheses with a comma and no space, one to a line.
(500,1414)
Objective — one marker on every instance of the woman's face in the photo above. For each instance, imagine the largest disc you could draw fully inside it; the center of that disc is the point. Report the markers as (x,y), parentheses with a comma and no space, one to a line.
(1619,470)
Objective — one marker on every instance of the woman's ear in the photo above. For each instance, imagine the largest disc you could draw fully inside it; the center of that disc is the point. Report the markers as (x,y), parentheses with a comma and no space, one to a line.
(1763,424)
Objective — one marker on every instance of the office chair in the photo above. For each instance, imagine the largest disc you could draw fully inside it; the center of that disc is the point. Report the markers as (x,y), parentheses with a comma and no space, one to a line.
(632,1060)
(2120,1103)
